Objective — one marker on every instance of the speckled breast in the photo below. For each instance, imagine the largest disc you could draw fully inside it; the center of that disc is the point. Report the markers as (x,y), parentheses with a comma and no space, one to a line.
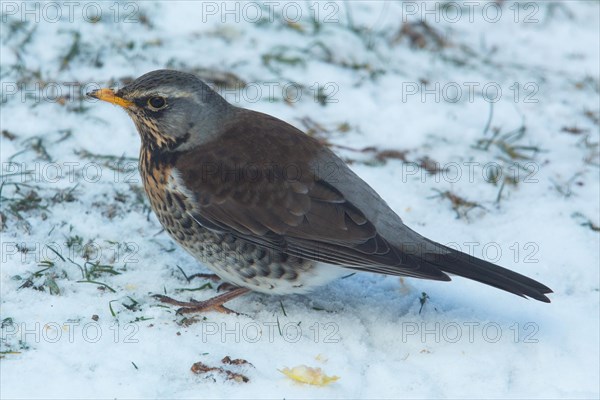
(234,260)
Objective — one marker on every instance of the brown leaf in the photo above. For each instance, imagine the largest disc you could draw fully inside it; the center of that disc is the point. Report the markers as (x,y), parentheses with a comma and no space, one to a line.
(236,361)
(200,368)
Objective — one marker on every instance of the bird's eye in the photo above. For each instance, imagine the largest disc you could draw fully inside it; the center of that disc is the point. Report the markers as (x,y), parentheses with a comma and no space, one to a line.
(157,102)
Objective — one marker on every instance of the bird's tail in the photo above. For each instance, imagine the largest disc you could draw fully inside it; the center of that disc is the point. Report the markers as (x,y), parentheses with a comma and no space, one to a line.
(461,264)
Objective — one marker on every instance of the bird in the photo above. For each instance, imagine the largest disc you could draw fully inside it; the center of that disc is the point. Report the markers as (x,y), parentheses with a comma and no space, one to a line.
(267,207)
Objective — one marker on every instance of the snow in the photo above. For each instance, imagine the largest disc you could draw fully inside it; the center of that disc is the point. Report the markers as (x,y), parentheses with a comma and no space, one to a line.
(74,339)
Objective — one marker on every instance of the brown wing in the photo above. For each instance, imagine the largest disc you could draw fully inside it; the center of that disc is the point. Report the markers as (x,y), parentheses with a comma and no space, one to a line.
(257,182)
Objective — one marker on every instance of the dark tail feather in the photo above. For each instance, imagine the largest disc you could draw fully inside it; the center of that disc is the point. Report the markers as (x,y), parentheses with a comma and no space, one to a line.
(467,266)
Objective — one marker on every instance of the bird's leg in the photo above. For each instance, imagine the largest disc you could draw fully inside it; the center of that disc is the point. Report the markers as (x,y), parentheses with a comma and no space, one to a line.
(213,304)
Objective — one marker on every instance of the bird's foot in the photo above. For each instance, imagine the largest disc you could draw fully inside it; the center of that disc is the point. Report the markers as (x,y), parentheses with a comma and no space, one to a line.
(213,304)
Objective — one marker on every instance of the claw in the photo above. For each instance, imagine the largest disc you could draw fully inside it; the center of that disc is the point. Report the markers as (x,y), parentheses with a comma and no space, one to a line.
(169,300)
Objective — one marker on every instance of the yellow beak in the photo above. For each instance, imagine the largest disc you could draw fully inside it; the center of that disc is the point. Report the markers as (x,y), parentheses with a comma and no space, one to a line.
(110,96)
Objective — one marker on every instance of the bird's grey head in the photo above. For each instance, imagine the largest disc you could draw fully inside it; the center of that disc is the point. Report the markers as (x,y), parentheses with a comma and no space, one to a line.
(172,110)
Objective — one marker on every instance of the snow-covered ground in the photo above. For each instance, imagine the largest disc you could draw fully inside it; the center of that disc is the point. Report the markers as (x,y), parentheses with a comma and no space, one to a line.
(480,127)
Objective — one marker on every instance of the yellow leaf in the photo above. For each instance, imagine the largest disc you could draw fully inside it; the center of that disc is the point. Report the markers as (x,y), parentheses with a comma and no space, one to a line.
(309,375)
